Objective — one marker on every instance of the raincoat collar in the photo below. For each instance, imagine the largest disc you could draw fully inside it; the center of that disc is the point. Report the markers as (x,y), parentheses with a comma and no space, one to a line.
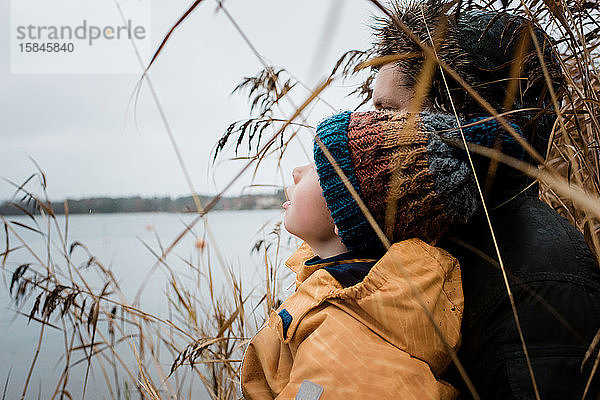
(304,262)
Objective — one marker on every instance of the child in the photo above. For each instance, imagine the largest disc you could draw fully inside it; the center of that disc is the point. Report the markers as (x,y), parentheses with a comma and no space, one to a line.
(358,325)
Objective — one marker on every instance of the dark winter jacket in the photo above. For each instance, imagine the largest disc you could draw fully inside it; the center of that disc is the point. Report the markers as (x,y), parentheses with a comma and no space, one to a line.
(556,286)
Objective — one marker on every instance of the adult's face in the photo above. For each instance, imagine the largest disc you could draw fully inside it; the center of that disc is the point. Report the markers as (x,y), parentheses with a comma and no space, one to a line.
(392,91)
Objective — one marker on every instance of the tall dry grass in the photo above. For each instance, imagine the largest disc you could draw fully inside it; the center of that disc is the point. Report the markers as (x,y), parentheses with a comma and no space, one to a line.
(205,339)
(193,352)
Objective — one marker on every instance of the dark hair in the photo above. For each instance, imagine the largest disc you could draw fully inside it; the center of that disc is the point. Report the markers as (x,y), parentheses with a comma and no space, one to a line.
(482,47)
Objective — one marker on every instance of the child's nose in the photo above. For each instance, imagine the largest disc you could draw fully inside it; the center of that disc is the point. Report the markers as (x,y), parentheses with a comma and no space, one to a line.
(296,174)
(298,171)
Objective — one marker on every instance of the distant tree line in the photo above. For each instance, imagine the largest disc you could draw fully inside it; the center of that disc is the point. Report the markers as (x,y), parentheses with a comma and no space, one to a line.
(140,204)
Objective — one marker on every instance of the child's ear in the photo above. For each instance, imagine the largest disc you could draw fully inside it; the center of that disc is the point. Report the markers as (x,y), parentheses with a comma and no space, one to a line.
(336,230)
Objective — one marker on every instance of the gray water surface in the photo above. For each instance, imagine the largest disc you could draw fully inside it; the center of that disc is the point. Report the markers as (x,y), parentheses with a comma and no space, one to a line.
(116,240)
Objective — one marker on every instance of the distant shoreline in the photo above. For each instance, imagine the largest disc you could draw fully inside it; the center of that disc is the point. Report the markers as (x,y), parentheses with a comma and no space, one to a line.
(138,204)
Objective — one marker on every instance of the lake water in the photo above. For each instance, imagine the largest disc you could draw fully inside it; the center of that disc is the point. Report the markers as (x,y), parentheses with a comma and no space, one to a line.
(117,240)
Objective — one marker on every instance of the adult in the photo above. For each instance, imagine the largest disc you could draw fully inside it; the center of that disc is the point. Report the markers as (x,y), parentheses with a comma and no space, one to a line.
(553,276)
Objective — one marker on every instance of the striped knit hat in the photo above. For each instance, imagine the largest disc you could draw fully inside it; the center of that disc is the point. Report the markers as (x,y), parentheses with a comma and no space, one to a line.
(412,181)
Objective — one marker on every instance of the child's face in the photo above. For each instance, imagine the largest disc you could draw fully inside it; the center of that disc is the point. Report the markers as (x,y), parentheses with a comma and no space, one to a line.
(306,212)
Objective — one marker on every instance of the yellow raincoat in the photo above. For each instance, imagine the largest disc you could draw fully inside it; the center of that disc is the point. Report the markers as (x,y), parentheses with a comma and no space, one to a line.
(372,340)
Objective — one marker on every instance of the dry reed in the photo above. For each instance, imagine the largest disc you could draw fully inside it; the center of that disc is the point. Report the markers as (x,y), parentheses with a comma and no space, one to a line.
(205,338)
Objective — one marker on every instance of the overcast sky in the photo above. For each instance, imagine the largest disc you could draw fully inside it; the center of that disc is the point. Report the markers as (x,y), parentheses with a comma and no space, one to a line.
(78,128)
